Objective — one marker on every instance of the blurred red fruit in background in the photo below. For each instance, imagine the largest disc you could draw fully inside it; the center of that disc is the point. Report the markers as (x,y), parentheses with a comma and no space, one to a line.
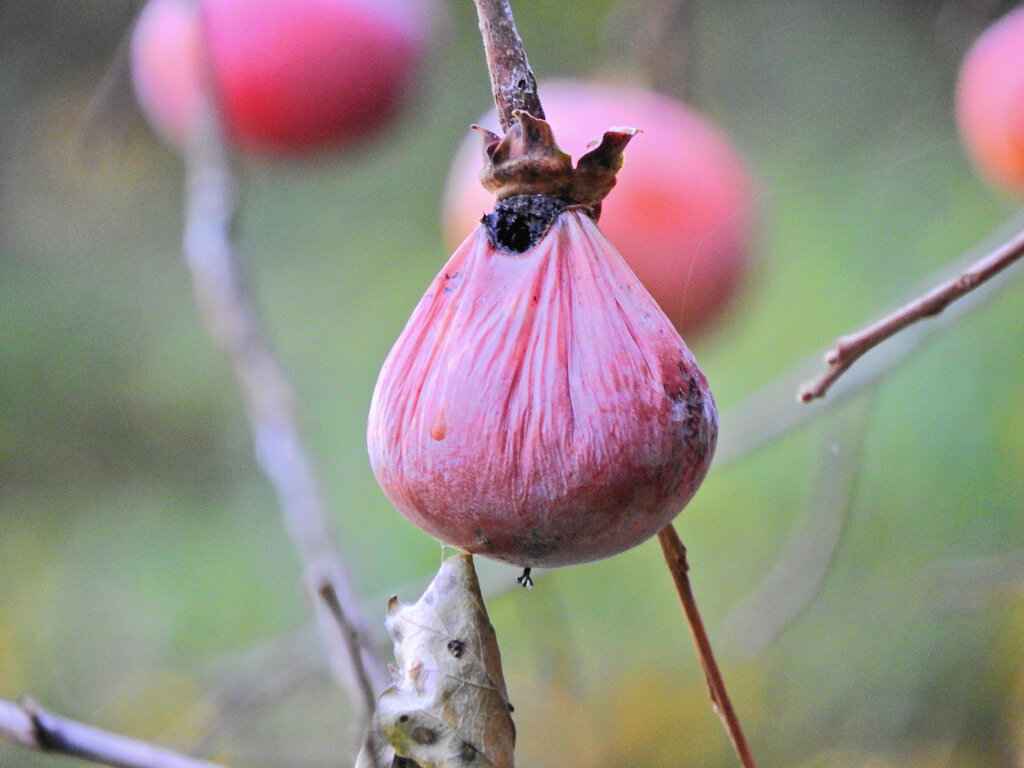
(990,102)
(290,77)
(681,213)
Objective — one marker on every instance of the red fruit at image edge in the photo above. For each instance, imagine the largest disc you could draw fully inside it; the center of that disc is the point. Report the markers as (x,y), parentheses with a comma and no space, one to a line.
(682,213)
(990,102)
(289,77)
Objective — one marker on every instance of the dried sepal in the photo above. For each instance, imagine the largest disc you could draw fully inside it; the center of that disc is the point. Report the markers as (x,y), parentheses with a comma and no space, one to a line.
(448,706)
(528,161)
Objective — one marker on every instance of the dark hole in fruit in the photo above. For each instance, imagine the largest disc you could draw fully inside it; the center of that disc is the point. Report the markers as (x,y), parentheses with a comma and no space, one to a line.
(468,752)
(518,223)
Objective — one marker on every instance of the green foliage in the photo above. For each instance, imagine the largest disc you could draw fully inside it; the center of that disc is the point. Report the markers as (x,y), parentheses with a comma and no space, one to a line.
(141,553)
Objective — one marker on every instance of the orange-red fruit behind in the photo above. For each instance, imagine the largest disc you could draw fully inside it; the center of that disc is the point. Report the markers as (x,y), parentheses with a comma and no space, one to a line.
(682,212)
(290,77)
(539,408)
(990,102)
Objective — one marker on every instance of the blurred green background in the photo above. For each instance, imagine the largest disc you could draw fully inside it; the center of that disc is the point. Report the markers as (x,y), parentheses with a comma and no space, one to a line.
(146,584)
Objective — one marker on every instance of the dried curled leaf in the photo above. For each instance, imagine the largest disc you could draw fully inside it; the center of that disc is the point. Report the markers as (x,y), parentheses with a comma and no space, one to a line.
(449,705)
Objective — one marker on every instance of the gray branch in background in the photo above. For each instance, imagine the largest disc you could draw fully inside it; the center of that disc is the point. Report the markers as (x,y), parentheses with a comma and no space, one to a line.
(269,402)
(32,726)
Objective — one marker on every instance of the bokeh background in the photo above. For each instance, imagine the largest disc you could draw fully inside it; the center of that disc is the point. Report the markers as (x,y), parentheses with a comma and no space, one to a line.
(862,576)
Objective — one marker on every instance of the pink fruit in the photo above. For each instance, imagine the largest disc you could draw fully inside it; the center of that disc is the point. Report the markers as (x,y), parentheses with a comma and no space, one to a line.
(289,77)
(682,211)
(539,407)
(990,102)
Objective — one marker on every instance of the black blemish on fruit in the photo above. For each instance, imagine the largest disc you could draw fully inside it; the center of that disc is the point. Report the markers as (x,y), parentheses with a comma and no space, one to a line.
(518,223)
(692,400)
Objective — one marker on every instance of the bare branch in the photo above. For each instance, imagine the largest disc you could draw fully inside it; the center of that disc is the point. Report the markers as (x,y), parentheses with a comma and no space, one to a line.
(512,81)
(772,411)
(32,726)
(268,397)
(675,556)
(355,642)
(850,348)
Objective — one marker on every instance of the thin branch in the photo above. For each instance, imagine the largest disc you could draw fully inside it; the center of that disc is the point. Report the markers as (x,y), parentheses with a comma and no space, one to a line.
(771,411)
(355,642)
(850,348)
(268,397)
(32,726)
(512,81)
(675,557)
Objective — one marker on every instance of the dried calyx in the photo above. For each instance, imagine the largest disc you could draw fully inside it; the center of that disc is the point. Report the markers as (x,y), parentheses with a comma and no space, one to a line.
(533,180)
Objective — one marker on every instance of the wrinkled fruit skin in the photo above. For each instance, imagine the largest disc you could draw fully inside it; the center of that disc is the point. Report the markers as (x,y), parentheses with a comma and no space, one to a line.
(290,77)
(681,213)
(539,408)
(990,102)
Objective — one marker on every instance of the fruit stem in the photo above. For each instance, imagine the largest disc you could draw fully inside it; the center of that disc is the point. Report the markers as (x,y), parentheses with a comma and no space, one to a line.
(512,82)
(675,556)
(850,348)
